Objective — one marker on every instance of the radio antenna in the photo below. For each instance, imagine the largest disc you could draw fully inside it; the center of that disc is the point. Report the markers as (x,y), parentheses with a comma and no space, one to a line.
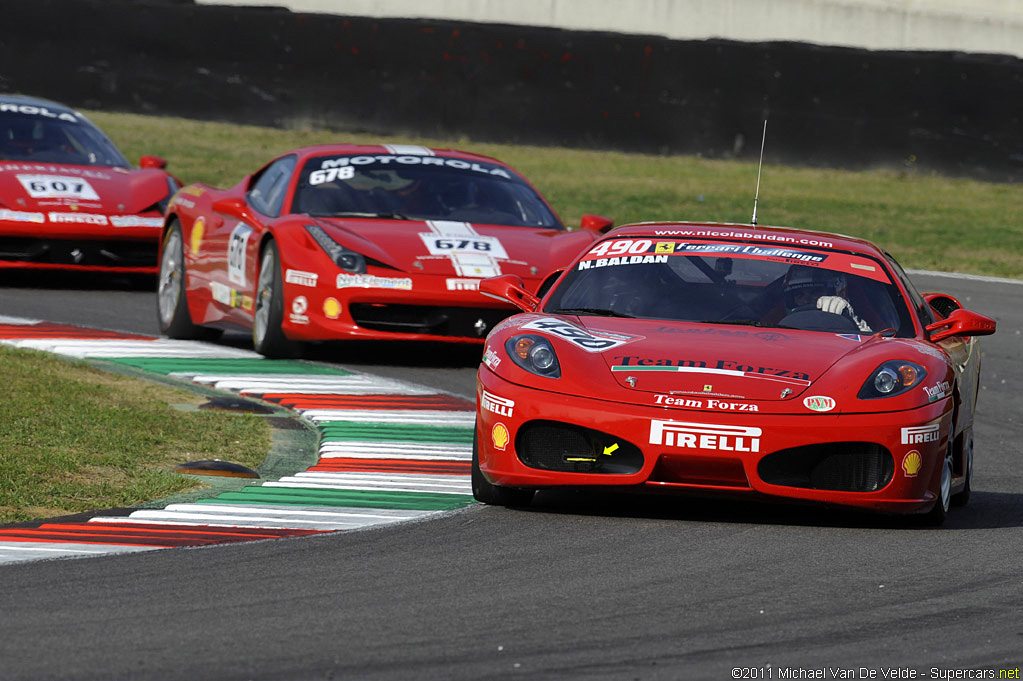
(756,197)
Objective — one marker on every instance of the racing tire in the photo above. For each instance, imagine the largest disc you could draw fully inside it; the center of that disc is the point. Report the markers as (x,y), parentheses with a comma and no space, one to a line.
(962,497)
(488,493)
(936,516)
(171,300)
(268,338)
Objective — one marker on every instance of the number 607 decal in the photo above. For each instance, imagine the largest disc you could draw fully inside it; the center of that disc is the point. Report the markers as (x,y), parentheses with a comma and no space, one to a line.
(57,187)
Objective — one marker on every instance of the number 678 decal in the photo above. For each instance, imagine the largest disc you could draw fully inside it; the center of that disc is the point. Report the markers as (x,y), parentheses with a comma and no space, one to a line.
(438,244)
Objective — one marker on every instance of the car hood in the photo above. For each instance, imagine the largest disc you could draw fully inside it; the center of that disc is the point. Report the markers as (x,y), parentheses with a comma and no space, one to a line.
(458,249)
(55,187)
(719,361)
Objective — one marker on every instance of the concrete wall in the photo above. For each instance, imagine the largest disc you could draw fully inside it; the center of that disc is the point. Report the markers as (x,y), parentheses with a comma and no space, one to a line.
(992,26)
(827,105)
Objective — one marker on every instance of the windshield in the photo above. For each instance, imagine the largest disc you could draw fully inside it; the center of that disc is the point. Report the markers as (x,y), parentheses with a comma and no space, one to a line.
(729,283)
(67,139)
(419,188)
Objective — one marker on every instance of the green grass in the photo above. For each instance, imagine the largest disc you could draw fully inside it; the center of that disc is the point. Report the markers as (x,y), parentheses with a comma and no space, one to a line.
(926,221)
(74,438)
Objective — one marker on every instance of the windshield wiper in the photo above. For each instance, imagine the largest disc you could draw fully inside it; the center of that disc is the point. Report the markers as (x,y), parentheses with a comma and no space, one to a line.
(739,322)
(357,214)
(598,311)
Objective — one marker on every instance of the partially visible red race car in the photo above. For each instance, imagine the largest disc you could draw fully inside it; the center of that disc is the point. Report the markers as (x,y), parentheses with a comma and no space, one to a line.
(735,360)
(69,199)
(357,242)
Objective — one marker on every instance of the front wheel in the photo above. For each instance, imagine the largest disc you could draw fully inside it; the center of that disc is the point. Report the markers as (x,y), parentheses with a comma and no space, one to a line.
(936,516)
(171,297)
(494,495)
(963,497)
(267,336)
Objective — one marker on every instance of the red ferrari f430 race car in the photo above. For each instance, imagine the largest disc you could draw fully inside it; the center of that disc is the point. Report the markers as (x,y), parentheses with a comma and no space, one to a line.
(69,199)
(731,359)
(357,242)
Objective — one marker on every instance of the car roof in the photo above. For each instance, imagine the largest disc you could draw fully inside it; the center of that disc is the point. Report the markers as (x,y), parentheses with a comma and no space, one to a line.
(776,236)
(26,100)
(399,149)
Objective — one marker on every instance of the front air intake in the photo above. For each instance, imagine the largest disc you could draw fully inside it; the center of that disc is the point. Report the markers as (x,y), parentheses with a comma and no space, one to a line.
(838,466)
(553,446)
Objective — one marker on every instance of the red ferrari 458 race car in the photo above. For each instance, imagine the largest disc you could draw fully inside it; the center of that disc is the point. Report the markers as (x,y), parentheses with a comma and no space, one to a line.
(360,242)
(69,199)
(731,359)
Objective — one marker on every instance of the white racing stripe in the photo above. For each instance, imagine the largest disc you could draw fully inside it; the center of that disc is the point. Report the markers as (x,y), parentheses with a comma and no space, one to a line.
(341,385)
(465,487)
(399,477)
(108,348)
(12,552)
(253,519)
(416,417)
(364,450)
(278,511)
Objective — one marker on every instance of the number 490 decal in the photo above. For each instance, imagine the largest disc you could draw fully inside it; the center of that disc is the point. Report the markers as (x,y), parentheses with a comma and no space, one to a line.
(622,247)
(591,341)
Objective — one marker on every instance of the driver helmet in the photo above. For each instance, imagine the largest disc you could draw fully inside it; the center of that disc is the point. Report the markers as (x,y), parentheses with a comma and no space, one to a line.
(804,285)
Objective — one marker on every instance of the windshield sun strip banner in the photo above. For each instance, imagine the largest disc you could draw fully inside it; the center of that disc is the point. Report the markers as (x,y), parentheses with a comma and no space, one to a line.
(615,252)
(353,162)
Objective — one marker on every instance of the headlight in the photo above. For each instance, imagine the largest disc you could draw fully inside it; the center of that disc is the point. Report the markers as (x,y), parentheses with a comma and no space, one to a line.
(534,354)
(892,378)
(349,261)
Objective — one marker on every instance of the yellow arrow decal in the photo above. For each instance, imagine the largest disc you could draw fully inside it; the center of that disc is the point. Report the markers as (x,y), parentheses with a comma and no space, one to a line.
(611,450)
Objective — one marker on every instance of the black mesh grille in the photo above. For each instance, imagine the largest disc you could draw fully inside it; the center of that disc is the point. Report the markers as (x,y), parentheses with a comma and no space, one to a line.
(110,253)
(839,466)
(437,321)
(555,446)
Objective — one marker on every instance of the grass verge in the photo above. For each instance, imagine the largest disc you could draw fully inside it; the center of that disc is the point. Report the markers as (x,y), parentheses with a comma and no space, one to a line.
(74,438)
(926,221)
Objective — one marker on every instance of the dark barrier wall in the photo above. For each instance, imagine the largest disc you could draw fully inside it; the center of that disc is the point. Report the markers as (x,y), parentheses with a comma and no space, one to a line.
(827,106)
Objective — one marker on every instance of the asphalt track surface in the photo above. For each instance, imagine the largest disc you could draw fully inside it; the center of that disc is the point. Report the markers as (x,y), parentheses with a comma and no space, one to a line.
(579,586)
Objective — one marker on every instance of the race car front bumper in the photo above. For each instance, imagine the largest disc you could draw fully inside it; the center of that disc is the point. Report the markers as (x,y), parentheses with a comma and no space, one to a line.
(879,461)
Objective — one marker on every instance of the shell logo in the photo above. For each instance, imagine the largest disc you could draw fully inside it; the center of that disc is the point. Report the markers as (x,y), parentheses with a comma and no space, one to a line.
(912,463)
(499,436)
(331,308)
(198,227)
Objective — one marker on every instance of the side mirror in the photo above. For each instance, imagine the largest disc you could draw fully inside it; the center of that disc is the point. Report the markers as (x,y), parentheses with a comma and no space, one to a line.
(597,224)
(510,288)
(961,322)
(157,162)
(943,303)
(233,206)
